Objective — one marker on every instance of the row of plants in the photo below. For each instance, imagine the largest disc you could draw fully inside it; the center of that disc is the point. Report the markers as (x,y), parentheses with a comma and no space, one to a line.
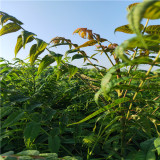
(94,113)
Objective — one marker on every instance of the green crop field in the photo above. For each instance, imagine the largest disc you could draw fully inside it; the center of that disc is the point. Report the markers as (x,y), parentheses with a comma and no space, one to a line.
(65,112)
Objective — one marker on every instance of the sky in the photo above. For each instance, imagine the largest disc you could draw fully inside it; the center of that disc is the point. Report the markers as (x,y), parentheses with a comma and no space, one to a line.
(48,19)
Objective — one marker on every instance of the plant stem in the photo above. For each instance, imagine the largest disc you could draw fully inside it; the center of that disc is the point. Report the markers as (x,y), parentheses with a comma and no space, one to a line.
(105,53)
(142,82)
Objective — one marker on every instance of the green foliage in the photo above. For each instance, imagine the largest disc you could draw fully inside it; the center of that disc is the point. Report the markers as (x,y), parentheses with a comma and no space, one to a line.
(115,110)
(31,132)
(34,154)
(9,28)
(126,29)
(26,36)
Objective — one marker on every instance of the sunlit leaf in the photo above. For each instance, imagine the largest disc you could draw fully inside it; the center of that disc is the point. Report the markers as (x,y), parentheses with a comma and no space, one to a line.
(41,45)
(96,96)
(60,40)
(5,69)
(49,155)
(60,44)
(57,57)
(153,29)
(107,84)
(19,44)
(26,36)
(152,42)
(157,145)
(46,61)
(90,43)
(28,153)
(131,6)
(153,11)
(126,29)
(7,17)
(32,53)
(135,16)
(37,49)
(61,71)
(9,28)
(72,71)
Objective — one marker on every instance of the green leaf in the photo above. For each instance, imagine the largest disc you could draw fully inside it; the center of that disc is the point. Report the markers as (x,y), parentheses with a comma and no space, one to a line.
(49,155)
(33,106)
(28,153)
(25,158)
(90,43)
(49,114)
(135,16)
(148,149)
(153,29)
(37,49)
(19,44)
(131,6)
(112,122)
(32,53)
(77,56)
(151,41)
(157,145)
(8,153)
(41,45)
(151,155)
(5,111)
(71,51)
(153,11)
(59,44)
(107,87)
(31,132)
(147,144)
(6,69)
(126,29)
(72,71)
(45,62)
(9,28)
(61,71)
(140,156)
(109,106)
(13,118)
(54,144)
(96,96)
(26,36)
(7,17)
(57,57)
(55,131)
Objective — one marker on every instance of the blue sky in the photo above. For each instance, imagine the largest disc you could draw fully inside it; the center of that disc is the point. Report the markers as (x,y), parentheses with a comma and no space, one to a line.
(48,19)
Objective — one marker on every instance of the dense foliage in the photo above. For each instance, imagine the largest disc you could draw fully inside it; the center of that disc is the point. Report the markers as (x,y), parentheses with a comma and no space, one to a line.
(94,113)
